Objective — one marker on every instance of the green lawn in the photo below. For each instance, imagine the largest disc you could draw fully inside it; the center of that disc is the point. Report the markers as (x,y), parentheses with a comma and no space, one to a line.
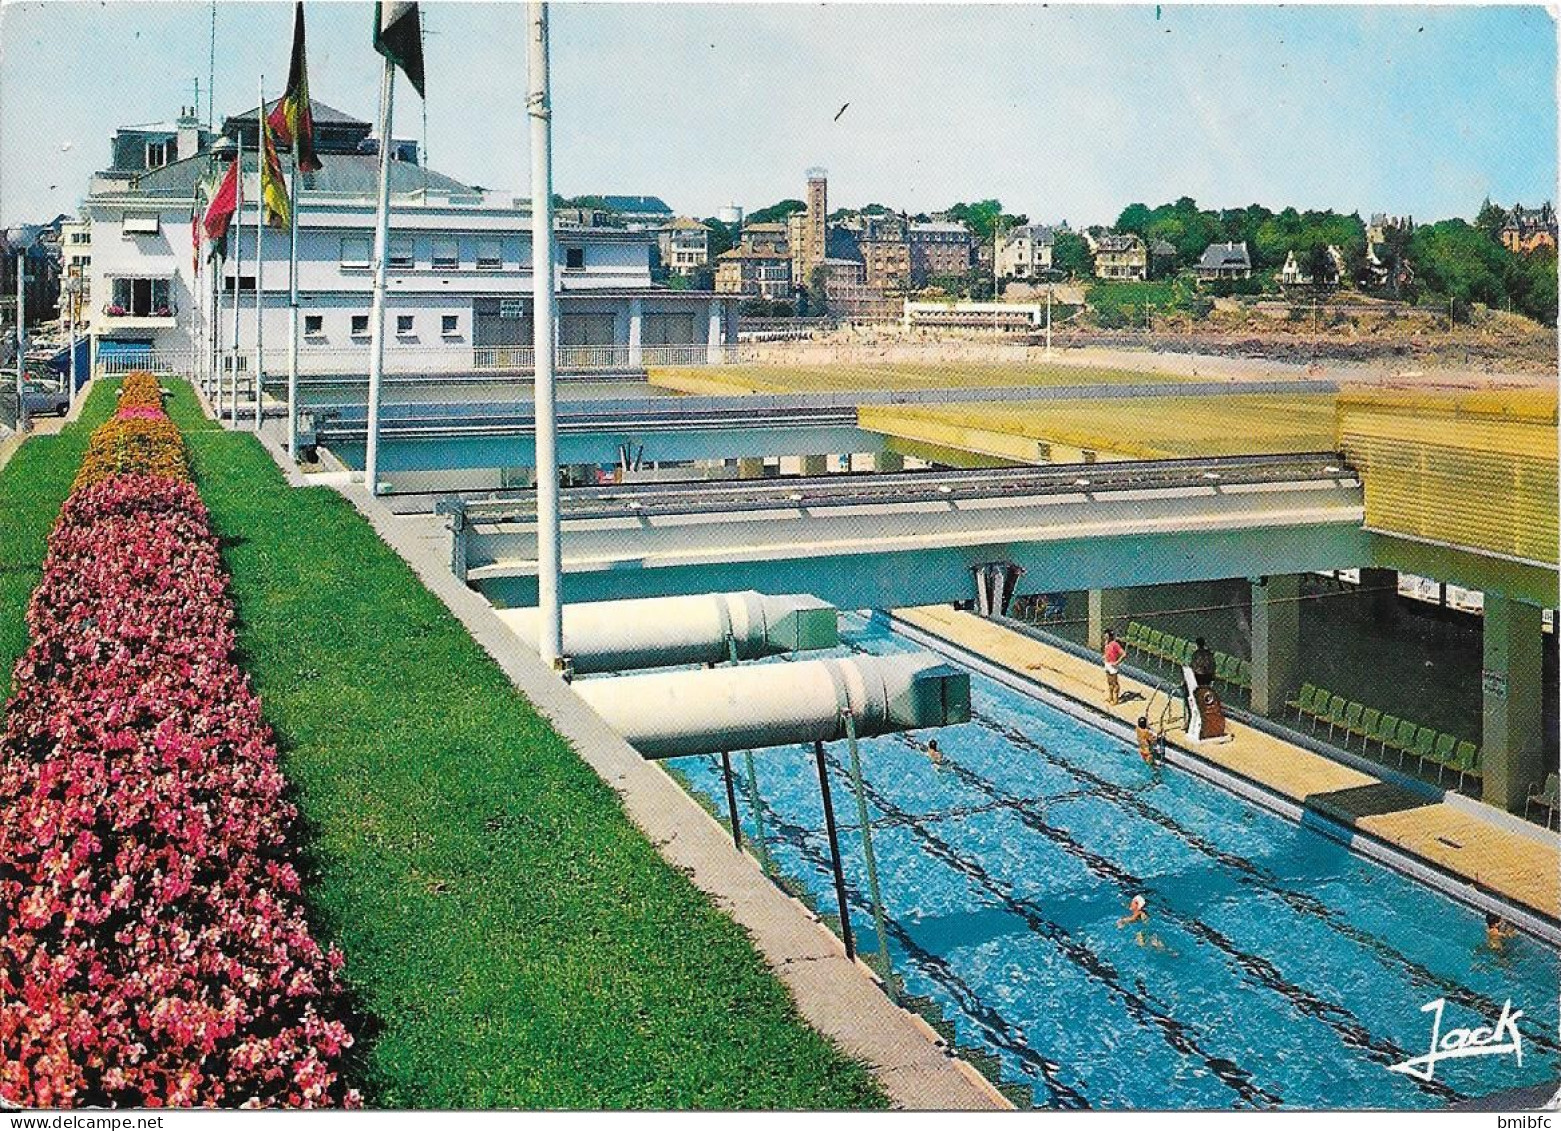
(33,485)
(516,941)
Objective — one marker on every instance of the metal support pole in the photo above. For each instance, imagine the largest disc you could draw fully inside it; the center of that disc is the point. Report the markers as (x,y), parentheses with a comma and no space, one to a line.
(731,800)
(549,560)
(886,967)
(834,852)
(387,95)
(260,262)
(238,278)
(70,334)
(292,311)
(21,341)
(760,849)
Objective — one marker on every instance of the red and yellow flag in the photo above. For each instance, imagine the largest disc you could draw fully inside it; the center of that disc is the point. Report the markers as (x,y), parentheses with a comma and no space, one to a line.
(292,120)
(273,189)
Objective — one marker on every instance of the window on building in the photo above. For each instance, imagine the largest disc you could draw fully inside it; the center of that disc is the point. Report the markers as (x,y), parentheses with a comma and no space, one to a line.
(314,325)
(450,325)
(158,153)
(490,254)
(245,283)
(574,258)
(356,251)
(360,325)
(81,237)
(404,325)
(401,254)
(447,253)
(141,298)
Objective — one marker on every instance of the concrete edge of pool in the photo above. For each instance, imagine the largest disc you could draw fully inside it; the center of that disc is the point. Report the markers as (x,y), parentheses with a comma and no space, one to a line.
(841,999)
(933,630)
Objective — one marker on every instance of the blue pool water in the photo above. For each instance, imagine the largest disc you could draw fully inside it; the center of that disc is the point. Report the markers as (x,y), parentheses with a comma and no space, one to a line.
(1277,968)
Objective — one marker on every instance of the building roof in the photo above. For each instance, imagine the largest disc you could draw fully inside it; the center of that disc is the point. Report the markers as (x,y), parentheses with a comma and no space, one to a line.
(944,226)
(840,245)
(341,174)
(1128,242)
(685,224)
(1219,256)
(1035,233)
(768,227)
(741,252)
(323,115)
(642,204)
(1162,248)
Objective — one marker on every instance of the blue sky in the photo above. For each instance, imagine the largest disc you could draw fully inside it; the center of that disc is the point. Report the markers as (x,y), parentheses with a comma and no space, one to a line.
(1062,112)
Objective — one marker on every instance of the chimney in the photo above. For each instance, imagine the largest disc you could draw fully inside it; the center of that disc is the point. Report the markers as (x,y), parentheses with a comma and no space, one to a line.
(189,143)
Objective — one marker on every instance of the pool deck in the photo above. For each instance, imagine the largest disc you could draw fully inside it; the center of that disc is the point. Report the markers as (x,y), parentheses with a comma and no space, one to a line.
(1519,868)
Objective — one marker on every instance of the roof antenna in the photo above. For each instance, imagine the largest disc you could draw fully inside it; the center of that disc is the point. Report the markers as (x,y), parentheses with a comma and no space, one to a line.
(211,77)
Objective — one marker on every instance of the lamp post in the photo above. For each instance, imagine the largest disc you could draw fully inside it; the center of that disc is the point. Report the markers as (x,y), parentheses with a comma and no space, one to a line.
(71,289)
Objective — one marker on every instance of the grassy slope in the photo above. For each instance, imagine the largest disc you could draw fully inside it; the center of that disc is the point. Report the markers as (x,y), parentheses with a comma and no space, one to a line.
(33,485)
(521,944)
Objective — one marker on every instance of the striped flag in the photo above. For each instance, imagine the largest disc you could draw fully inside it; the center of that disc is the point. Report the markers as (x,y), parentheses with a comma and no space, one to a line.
(398,36)
(292,120)
(277,204)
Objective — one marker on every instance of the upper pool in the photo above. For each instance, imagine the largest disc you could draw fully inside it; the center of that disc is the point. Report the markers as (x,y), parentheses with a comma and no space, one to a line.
(1276,969)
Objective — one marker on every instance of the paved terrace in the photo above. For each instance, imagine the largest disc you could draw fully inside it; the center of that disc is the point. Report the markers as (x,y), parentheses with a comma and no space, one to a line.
(1487,850)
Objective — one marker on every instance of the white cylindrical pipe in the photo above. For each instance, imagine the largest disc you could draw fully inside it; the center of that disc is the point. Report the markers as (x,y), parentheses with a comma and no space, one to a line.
(675,714)
(660,632)
(539,107)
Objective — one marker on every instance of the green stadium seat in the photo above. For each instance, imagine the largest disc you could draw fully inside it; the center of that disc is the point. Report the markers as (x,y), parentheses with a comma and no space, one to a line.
(1467,762)
(1366,726)
(1319,708)
(1135,636)
(1302,703)
(1188,648)
(1244,674)
(1156,640)
(1405,742)
(1337,706)
(1385,735)
(1442,754)
(1352,717)
(1424,748)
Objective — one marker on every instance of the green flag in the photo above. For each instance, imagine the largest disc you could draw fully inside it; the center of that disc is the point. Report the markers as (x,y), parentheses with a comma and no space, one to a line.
(399,37)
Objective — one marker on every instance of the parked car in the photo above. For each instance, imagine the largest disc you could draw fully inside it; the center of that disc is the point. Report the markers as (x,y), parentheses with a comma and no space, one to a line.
(41,397)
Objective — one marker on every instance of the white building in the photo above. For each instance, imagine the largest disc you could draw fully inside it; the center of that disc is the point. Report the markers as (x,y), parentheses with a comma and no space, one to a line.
(1026,252)
(459,279)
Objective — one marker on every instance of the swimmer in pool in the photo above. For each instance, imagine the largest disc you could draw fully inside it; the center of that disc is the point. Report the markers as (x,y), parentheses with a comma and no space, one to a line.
(1497,931)
(1136,912)
(934,753)
(1146,740)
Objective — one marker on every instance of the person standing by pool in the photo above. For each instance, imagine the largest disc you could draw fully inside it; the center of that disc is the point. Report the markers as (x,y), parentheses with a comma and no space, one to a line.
(1111,656)
(1202,663)
(1136,912)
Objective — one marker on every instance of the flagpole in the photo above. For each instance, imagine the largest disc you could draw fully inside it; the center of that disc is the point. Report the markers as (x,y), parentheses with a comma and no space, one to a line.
(387,94)
(238,273)
(549,564)
(260,263)
(292,300)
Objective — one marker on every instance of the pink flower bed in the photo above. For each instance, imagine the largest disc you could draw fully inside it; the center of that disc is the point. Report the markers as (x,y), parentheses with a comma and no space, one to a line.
(153,949)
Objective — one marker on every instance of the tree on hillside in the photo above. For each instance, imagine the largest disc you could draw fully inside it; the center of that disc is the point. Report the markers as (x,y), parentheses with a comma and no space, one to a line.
(720,237)
(984,217)
(1491,219)
(777,211)
(1071,255)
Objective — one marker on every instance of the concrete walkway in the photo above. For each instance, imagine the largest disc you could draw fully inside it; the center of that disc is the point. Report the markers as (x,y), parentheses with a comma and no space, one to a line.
(843,1000)
(1519,867)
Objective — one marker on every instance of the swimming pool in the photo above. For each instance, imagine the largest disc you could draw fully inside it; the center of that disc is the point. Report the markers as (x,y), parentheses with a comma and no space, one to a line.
(1276,969)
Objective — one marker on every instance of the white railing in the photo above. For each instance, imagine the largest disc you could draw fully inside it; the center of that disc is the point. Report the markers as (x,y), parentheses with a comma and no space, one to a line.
(425,361)
(159,362)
